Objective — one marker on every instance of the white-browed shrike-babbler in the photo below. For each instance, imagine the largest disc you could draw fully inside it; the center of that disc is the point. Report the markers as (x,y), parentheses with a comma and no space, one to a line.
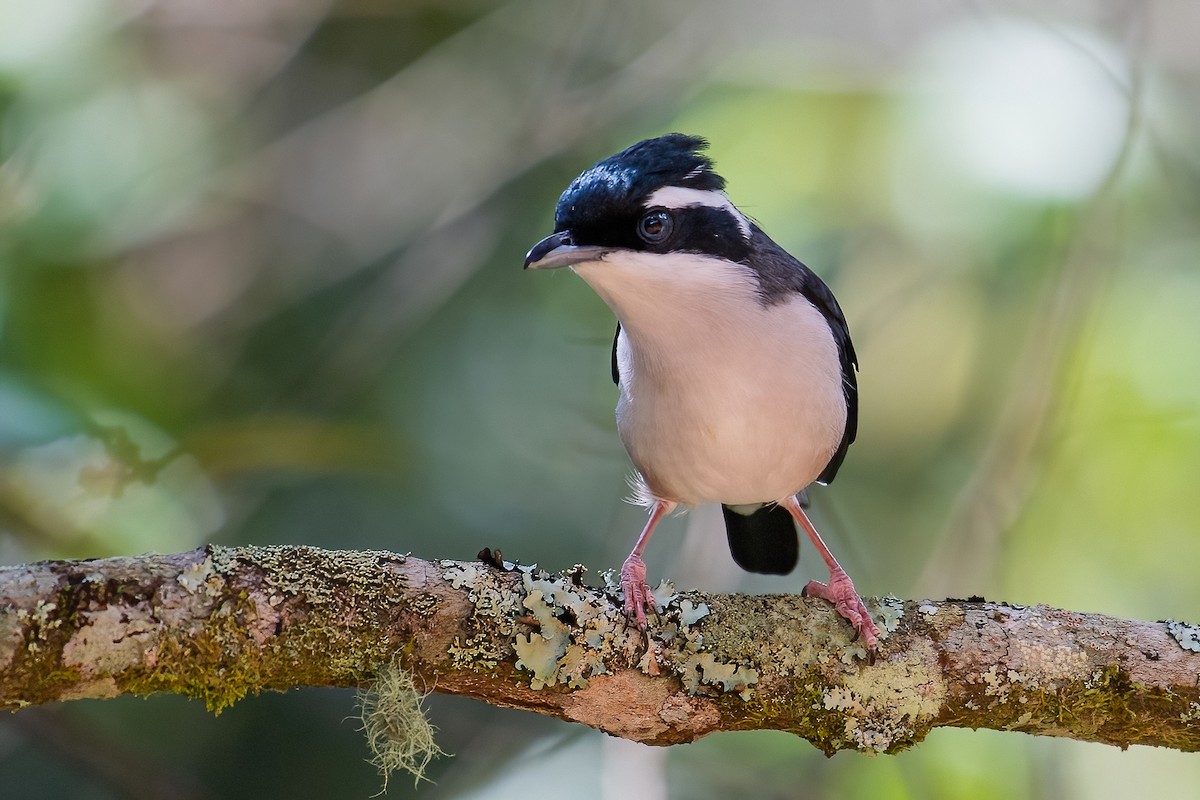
(733,360)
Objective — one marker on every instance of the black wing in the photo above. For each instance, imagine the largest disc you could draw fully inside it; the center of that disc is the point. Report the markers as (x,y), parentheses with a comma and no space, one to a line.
(821,297)
(615,369)
(781,275)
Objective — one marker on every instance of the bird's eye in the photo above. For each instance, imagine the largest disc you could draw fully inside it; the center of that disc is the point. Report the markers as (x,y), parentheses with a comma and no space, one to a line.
(655,226)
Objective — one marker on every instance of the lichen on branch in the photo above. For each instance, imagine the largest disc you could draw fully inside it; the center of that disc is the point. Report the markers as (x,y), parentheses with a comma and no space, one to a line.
(221,623)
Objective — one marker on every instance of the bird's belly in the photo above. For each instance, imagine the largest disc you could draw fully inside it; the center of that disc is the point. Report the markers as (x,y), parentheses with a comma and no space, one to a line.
(723,399)
(744,435)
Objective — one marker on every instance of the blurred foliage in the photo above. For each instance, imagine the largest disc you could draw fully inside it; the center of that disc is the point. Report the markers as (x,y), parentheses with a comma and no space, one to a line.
(261,283)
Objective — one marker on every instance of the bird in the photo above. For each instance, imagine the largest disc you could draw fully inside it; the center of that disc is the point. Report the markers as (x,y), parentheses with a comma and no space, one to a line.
(735,370)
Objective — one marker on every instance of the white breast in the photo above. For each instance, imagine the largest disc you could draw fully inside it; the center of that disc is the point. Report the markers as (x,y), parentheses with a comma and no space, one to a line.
(722,399)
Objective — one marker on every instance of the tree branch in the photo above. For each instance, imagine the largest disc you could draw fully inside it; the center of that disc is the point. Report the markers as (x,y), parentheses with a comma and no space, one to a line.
(219,623)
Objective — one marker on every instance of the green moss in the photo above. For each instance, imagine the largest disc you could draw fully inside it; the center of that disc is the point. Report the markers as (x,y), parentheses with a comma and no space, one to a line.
(1106,707)
(1103,701)
(206,664)
(800,710)
(238,650)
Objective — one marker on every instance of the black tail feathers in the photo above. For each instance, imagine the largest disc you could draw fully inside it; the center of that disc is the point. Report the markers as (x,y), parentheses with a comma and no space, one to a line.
(763,541)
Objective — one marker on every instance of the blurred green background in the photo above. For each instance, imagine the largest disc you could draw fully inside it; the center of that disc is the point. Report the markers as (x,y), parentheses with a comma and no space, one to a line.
(261,284)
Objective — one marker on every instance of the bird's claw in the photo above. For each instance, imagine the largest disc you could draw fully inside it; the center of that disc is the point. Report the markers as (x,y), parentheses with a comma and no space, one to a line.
(638,598)
(841,592)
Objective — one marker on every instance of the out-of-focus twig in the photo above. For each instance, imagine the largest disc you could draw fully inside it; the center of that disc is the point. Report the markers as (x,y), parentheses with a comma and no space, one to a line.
(1006,474)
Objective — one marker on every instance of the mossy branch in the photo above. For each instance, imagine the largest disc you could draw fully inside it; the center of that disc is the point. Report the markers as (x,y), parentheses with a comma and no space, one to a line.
(220,623)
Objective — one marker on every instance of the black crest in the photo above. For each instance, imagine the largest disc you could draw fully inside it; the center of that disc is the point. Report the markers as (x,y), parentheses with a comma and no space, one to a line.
(618,184)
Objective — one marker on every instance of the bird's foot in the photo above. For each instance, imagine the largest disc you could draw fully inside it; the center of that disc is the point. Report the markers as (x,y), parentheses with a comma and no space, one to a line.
(841,592)
(638,599)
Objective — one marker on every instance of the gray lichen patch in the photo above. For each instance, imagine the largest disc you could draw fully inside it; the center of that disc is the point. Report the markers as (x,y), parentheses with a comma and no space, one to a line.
(1186,636)
(690,613)
(495,608)
(314,574)
(892,704)
(1003,685)
(293,601)
(540,656)
(425,605)
(36,626)
(792,634)
(888,612)
(1032,669)
(1055,664)
(577,632)
(564,633)
(704,669)
(202,577)
(463,574)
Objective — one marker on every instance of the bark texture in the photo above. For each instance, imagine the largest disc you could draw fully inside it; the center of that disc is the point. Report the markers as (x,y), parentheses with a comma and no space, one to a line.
(220,623)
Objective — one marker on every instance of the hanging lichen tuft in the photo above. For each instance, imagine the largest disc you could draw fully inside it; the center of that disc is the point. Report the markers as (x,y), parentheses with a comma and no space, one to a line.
(398,734)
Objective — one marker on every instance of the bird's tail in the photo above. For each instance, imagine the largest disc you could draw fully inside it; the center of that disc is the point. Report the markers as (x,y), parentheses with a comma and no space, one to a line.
(762,539)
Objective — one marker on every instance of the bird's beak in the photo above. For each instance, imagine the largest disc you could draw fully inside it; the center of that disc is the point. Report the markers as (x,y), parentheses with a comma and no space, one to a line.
(557,250)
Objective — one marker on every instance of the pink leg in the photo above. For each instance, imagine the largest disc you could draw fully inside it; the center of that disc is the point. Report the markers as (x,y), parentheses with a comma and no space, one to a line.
(638,599)
(840,590)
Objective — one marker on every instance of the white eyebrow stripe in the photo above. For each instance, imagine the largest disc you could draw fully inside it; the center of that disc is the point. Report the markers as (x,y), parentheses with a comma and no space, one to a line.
(683,197)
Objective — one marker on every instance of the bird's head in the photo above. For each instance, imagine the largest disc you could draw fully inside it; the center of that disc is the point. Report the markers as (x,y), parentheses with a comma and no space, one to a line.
(659,196)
